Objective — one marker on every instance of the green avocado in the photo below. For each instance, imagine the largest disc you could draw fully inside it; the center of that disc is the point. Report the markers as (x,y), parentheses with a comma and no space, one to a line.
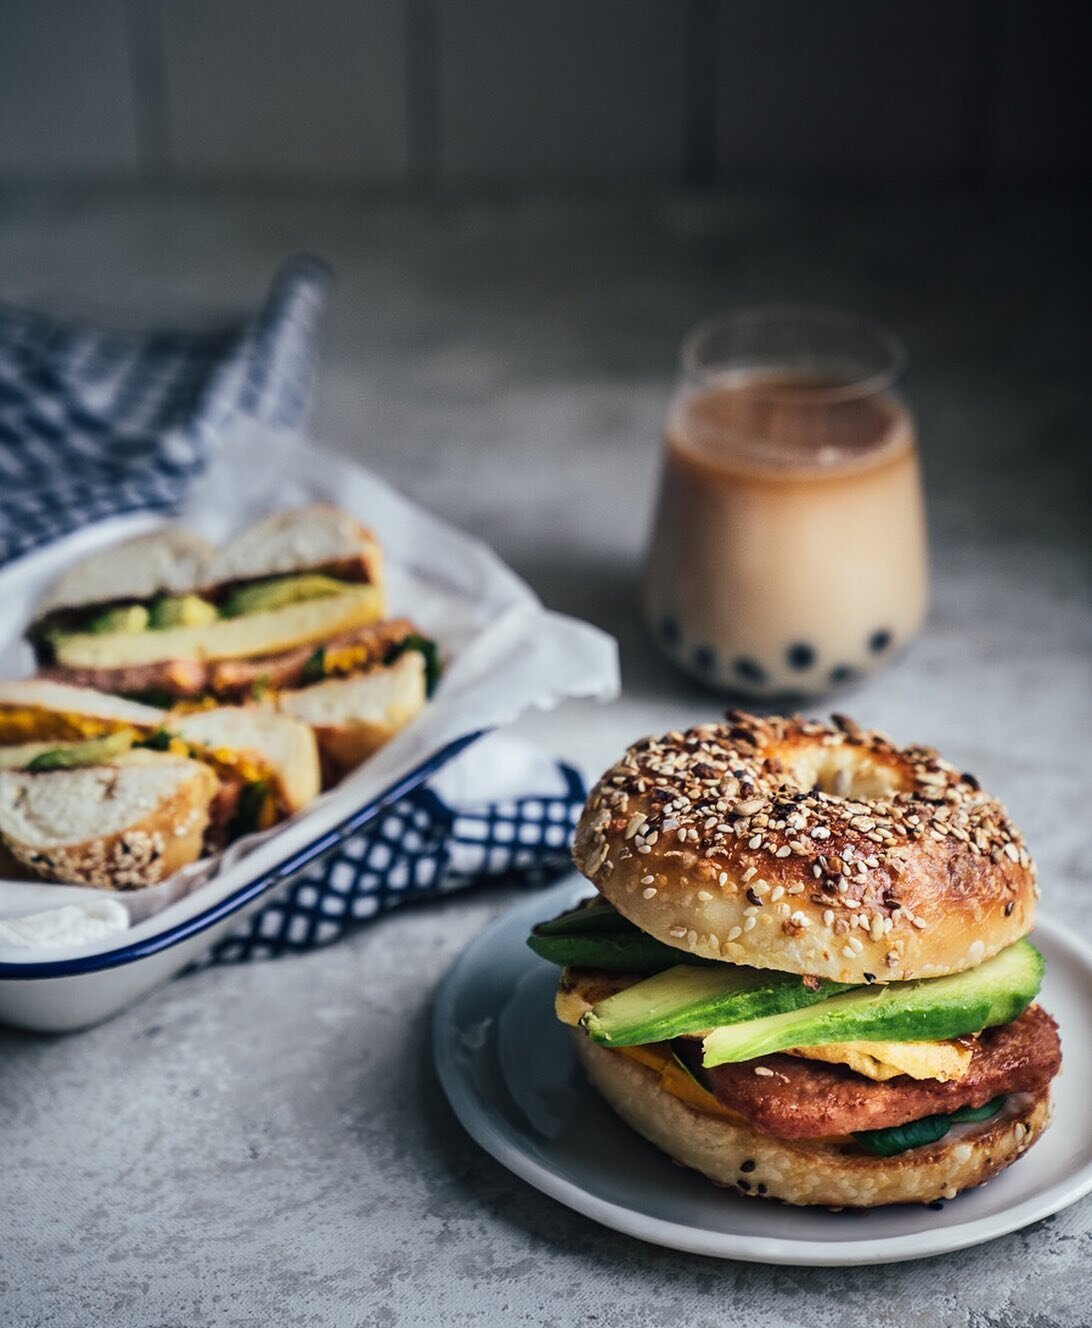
(932,1010)
(181,611)
(73,755)
(588,916)
(610,952)
(278,593)
(688,1000)
(597,936)
(125,618)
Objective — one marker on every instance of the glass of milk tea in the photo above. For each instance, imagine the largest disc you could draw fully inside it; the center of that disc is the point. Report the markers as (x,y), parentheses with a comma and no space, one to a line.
(788,554)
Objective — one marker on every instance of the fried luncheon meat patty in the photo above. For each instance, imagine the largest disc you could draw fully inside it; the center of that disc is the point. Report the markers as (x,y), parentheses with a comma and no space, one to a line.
(792,1098)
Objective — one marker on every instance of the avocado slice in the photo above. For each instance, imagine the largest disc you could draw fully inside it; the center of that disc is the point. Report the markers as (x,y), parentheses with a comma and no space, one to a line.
(687,999)
(260,596)
(124,618)
(181,611)
(933,1010)
(598,936)
(598,916)
(97,751)
(611,952)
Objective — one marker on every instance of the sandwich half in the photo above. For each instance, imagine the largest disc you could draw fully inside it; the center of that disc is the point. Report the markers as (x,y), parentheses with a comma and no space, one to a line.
(159,618)
(289,614)
(242,769)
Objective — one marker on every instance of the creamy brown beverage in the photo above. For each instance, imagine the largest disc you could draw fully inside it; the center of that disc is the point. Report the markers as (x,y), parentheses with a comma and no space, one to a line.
(788,554)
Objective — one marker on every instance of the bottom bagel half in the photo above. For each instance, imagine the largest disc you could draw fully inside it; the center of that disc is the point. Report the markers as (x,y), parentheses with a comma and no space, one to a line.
(830,1173)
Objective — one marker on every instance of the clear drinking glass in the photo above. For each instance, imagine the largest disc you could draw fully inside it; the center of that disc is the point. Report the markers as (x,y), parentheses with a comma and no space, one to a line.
(788,555)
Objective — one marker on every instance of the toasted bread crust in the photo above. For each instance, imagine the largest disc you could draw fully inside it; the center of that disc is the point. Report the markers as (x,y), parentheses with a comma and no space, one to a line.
(809,1172)
(725,842)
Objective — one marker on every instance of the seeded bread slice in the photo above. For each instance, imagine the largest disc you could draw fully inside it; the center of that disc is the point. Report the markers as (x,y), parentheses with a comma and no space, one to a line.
(121,826)
(352,717)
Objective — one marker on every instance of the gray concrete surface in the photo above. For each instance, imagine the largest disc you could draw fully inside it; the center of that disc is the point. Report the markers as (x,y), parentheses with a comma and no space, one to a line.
(267,1144)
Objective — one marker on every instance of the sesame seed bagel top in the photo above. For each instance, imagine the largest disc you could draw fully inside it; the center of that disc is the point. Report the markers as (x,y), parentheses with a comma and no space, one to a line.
(814,849)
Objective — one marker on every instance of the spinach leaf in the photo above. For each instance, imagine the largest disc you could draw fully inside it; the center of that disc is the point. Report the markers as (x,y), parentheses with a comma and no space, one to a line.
(898,1138)
(429,649)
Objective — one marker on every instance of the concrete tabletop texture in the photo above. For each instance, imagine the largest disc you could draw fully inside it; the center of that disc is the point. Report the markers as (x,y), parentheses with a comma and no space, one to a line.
(267,1143)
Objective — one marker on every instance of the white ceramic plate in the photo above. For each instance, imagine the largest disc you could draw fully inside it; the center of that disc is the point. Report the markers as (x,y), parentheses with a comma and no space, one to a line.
(511,1077)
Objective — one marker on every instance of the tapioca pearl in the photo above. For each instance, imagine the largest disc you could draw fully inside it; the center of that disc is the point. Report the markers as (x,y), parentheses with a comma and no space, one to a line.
(670,632)
(843,673)
(879,641)
(800,656)
(749,671)
(705,659)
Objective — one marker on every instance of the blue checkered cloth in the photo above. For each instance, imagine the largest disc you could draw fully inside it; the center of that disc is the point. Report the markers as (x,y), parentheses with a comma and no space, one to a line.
(419,848)
(97,423)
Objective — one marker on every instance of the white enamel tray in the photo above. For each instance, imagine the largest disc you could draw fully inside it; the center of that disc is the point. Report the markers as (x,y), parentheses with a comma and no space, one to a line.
(510,1074)
(504,653)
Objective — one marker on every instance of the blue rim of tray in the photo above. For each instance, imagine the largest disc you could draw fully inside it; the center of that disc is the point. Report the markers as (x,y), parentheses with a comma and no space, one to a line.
(223,908)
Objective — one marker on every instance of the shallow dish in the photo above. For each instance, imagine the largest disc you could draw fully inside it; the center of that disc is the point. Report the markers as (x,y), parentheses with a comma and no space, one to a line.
(538,1116)
(504,654)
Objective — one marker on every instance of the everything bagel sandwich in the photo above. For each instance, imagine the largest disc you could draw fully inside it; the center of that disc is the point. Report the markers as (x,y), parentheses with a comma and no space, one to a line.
(289,613)
(88,779)
(806,971)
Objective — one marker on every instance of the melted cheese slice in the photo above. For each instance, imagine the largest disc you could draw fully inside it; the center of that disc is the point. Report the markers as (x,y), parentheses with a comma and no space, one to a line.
(577,992)
(943,1061)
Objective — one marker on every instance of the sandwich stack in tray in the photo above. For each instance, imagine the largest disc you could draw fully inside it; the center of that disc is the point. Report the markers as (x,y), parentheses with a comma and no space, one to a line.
(806,971)
(188,695)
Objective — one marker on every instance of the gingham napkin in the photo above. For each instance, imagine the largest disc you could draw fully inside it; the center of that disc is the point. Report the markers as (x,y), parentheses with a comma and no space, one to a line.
(96,423)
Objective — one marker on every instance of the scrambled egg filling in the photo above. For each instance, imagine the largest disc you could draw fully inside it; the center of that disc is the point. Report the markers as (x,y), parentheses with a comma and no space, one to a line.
(19,724)
(33,726)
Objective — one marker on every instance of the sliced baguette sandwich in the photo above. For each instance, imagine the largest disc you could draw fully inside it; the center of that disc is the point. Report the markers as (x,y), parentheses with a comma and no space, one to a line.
(259,767)
(158,615)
